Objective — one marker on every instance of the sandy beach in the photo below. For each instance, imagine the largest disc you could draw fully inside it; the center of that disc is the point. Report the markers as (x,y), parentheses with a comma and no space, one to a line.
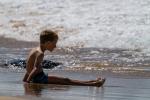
(115,88)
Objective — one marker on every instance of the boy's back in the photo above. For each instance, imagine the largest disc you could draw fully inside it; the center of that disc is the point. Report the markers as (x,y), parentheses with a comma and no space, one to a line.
(34,59)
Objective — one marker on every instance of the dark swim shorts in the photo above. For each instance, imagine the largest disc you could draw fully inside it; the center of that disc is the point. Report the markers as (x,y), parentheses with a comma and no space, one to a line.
(40,78)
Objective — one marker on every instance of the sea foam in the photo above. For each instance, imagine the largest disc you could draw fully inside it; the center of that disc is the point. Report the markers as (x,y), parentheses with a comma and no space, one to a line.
(82,23)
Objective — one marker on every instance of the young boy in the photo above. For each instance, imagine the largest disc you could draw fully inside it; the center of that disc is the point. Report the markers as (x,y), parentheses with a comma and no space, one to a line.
(34,71)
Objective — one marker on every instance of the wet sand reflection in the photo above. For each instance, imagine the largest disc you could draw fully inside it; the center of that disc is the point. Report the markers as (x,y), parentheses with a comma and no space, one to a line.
(39,89)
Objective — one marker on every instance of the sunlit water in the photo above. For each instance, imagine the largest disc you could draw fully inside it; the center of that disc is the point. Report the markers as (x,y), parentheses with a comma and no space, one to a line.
(114,60)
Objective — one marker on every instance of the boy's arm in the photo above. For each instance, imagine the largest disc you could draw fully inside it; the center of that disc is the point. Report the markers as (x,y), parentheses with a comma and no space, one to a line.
(36,67)
(33,72)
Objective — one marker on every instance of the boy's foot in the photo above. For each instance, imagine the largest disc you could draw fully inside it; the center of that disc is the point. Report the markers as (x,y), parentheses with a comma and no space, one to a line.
(100,82)
(98,79)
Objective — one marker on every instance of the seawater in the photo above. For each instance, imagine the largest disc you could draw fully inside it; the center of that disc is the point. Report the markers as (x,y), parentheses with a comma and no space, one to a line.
(92,23)
(117,61)
(93,34)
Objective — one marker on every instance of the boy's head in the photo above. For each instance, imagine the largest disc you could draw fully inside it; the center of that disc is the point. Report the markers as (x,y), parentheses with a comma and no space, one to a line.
(49,39)
(48,36)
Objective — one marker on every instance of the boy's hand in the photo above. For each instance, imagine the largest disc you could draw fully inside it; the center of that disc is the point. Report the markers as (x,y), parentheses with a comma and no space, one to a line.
(28,81)
(24,80)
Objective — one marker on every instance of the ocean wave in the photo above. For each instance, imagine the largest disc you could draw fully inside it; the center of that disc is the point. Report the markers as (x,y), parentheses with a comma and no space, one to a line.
(90,23)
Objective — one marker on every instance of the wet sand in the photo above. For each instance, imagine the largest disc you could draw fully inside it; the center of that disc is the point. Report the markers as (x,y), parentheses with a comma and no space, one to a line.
(10,98)
(115,88)
(13,43)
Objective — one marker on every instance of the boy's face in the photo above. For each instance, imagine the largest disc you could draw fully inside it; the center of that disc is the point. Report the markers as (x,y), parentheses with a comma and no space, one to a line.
(51,45)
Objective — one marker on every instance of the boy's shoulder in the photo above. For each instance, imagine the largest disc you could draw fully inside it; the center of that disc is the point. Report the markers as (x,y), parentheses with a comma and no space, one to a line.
(36,52)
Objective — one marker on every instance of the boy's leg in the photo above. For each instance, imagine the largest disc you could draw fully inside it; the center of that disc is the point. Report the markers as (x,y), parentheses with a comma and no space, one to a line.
(67,81)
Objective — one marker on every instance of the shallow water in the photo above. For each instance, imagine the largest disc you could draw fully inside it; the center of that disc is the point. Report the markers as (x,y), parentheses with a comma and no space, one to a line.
(113,60)
(115,87)
(127,76)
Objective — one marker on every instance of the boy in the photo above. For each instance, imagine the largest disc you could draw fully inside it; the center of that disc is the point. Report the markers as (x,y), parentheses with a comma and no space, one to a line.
(34,71)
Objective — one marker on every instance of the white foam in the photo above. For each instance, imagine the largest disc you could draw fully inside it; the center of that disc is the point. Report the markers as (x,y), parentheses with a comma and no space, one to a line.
(88,23)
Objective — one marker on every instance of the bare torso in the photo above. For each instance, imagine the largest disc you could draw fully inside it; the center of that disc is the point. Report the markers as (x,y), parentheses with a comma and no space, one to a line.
(31,60)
